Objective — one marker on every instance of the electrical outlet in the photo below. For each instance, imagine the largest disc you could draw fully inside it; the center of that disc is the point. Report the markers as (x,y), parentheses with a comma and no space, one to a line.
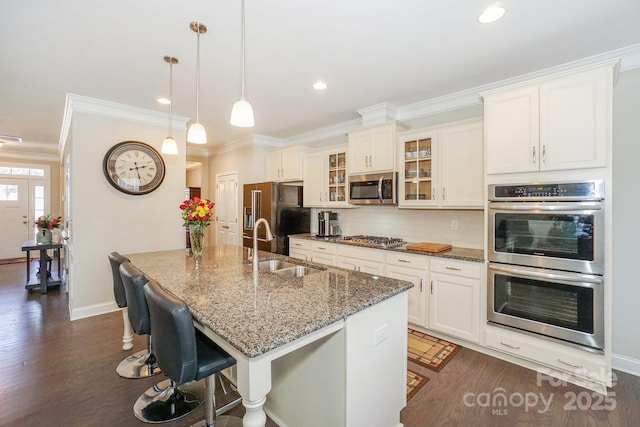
(380,334)
(454,224)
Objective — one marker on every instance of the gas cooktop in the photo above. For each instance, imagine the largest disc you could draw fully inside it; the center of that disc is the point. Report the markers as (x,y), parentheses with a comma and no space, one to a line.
(373,241)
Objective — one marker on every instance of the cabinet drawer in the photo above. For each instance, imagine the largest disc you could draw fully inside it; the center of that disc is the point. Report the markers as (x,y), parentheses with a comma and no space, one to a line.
(374,255)
(407,260)
(299,244)
(329,248)
(547,353)
(458,268)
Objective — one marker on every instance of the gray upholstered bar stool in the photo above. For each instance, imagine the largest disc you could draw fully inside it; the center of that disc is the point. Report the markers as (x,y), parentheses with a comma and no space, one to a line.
(185,355)
(115,259)
(143,363)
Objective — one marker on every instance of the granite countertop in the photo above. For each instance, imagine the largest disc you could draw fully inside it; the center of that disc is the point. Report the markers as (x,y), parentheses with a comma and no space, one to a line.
(256,314)
(461,254)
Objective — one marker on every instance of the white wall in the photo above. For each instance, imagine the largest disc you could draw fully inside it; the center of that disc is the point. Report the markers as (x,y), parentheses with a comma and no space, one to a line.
(105,219)
(626,216)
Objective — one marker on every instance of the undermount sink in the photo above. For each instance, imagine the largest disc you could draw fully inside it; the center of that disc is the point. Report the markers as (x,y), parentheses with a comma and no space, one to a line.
(284,268)
(297,271)
(274,264)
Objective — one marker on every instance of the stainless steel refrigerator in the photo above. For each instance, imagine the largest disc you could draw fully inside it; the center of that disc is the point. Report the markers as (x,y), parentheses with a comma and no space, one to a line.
(281,205)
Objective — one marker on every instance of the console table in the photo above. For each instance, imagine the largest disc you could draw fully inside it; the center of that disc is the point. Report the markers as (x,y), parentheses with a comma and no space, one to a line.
(44,281)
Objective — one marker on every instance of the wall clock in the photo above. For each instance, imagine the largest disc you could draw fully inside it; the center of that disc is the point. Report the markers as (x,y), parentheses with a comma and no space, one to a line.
(133,167)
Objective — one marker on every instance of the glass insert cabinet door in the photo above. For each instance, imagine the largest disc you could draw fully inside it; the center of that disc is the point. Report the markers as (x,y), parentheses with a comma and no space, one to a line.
(418,183)
(338,177)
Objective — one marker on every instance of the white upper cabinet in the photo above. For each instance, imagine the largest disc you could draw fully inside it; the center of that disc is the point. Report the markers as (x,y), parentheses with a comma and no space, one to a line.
(372,149)
(556,124)
(442,166)
(284,164)
(461,169)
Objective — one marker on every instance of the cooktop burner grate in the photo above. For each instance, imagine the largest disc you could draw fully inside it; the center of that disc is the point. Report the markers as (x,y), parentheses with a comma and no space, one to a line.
(374,241)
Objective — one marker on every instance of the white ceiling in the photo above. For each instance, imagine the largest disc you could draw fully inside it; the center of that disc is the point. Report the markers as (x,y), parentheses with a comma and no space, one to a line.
(368,52)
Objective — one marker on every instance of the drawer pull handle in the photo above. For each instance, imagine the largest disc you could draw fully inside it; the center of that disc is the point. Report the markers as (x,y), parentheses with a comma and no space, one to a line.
(404,260)
(515,347)
(322,248)
(570,364)
(453,268)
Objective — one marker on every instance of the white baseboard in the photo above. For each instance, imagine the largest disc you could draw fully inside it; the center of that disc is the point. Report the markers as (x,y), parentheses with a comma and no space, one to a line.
(626,364)
(92,310)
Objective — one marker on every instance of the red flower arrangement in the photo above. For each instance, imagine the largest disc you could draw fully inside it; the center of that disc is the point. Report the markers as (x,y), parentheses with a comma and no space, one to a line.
(48,222)
(197,211)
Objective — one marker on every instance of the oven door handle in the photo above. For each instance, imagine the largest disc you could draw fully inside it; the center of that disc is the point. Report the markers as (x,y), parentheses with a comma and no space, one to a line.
(582,278)
(519,206)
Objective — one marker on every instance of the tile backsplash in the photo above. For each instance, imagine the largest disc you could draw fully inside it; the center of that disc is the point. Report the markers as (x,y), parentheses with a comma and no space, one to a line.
(412,225)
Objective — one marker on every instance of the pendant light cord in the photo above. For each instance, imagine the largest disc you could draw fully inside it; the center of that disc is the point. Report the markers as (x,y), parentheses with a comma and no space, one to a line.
(171,99)
(242,71)
(198,76)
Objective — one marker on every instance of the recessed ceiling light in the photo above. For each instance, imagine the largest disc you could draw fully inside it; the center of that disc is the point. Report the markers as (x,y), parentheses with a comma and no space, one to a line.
(491,14)
(163,100)
(319,85)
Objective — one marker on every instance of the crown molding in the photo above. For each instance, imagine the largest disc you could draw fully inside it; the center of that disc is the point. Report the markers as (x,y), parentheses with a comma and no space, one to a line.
(378,114)
(29,155)
(326,133)
(253,140)
(84,104)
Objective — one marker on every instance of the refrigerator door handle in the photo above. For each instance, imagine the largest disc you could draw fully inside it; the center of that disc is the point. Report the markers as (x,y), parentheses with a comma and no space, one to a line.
(255,206)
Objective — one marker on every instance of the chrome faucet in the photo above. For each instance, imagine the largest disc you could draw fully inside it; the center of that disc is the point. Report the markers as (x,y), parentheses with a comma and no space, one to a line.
(269,237)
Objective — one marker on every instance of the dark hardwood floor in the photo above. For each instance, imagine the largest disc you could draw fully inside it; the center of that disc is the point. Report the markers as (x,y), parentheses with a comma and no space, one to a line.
(54,372)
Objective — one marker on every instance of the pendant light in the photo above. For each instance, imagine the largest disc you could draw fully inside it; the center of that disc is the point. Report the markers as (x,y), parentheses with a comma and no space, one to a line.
(169,145)
(242,113)
(196,133)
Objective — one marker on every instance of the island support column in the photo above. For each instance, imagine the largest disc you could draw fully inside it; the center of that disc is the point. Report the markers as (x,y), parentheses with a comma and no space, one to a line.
(253,383)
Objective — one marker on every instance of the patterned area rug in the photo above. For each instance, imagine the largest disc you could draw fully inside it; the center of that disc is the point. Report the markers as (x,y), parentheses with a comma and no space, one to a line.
(414,383)
(430,352)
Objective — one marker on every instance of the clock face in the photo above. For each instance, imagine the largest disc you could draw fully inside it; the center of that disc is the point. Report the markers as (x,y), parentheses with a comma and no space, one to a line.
(134,167)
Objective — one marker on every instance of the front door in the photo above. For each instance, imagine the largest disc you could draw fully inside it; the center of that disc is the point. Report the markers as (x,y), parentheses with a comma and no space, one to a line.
(227,209)
(15,222)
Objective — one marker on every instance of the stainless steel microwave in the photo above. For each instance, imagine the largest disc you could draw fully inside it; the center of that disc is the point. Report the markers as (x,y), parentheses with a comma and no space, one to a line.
(373,189)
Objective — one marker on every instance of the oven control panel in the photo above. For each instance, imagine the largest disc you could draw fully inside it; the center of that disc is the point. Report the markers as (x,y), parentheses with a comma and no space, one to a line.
(584,190)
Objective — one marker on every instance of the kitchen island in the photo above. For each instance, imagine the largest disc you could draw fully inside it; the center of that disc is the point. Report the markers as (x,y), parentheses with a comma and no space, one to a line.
(327,348)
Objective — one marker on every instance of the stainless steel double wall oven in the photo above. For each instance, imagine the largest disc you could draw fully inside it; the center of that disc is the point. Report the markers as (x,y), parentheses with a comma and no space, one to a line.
(546,260)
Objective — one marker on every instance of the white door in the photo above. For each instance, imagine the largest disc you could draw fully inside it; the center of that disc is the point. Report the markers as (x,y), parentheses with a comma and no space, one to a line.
(227,209)
(15,221)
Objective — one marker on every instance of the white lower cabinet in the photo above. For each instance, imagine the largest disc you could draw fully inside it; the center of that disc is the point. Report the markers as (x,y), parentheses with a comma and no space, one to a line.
(454,307)
(299,248)
(322,252)
(587,366)
(414,269)
(369,261)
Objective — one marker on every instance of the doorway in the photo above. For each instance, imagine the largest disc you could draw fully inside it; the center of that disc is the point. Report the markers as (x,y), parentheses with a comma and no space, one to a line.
(14,216)
(24,195)
(227,208)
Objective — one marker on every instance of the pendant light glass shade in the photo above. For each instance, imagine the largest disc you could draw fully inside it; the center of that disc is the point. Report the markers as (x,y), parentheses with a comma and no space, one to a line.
(169,145)
(196,133)
(242,113)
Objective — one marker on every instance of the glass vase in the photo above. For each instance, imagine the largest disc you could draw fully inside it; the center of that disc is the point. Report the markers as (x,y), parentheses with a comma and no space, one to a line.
(44,236)
(196,235)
